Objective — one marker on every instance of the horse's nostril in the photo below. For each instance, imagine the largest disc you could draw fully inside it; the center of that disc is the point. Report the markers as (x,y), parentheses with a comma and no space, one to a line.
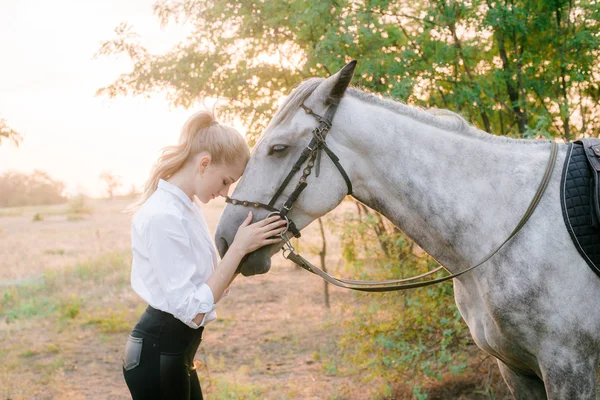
(223,247)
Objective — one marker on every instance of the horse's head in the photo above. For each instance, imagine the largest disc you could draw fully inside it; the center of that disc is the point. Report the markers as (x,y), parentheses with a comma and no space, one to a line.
(274,156)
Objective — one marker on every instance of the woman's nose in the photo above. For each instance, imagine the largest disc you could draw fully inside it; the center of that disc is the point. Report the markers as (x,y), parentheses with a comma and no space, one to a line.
(225,191)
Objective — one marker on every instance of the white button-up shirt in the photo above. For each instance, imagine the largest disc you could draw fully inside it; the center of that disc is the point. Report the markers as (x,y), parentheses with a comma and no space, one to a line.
(173,255)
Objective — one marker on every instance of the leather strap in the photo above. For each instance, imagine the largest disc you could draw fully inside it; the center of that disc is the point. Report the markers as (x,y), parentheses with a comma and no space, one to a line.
(291,226)
(303,156)
(312,152)
(335,160)
(400,284)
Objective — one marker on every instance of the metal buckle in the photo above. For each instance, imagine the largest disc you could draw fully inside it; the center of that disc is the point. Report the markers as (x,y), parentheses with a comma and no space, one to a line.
(325,122)
(306,109)
(318,134)
(288,248)
(287,226)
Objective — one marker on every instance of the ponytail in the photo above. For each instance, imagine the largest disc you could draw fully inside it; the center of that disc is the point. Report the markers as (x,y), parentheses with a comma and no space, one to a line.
(201,132)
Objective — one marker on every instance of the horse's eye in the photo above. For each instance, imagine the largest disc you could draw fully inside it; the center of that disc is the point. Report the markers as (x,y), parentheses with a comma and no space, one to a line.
(277,148)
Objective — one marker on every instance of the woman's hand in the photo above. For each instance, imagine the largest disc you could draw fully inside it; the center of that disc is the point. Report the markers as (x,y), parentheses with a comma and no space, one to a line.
(251,237)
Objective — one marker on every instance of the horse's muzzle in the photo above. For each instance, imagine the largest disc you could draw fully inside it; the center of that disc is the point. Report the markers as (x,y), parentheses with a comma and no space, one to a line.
(255,263)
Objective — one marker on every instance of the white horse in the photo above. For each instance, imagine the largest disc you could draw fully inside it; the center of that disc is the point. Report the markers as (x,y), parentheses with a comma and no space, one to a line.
(457,192)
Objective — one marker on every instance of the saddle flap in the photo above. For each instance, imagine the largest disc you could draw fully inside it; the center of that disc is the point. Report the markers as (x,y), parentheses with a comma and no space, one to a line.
(591,148)
(592,151)
(579,203)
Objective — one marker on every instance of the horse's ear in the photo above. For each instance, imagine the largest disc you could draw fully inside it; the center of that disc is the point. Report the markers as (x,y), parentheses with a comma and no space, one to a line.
(333,88)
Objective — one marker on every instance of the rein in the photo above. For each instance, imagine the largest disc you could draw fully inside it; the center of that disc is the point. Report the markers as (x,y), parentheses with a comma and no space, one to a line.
(312,152)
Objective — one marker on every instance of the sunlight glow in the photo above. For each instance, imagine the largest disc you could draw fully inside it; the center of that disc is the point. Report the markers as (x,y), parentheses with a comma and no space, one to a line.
(47,93)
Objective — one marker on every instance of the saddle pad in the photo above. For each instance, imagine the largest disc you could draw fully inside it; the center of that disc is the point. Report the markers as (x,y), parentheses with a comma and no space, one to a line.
(576,200)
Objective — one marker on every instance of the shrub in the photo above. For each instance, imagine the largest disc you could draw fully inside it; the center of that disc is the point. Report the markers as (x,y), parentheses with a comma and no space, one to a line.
(413,336)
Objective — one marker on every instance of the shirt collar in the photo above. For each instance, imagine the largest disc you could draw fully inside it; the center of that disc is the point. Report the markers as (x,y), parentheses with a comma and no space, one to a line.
(177,191)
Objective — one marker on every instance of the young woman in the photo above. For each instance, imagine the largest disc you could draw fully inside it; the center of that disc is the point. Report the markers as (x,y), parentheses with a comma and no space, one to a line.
(174,265)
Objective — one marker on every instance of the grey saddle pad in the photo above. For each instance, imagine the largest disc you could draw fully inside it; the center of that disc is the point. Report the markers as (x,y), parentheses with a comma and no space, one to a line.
(577,199)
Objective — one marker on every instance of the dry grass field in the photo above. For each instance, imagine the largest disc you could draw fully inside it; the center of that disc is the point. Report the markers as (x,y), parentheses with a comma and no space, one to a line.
(67,309)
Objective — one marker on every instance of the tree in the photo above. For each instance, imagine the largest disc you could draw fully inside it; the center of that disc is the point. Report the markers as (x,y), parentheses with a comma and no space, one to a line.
(7,132)
(513,67)
(133,191)
(521,68)
(20,189)
(112,182)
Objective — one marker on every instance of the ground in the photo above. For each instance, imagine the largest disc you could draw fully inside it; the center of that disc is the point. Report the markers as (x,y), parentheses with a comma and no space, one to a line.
(67,309)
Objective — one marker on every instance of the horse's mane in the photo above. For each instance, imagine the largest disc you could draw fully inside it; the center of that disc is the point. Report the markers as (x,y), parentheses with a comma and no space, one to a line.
(441,118)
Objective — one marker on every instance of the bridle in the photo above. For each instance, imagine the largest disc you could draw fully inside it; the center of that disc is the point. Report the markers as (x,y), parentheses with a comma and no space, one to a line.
(312,152)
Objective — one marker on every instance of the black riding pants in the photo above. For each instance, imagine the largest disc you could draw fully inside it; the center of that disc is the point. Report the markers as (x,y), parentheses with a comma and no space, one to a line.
(158,362)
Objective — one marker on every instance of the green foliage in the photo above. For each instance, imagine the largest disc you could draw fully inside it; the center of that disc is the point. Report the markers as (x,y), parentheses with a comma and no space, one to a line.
(520,68)
(417,335)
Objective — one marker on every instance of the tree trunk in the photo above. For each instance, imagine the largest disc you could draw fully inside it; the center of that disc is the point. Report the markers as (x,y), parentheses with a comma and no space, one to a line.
(322,254)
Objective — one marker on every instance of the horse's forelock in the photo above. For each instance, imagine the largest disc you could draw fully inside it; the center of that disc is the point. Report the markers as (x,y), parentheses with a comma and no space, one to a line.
(291,104)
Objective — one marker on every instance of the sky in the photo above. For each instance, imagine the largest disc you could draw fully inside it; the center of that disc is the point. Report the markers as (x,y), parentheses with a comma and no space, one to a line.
(48,81)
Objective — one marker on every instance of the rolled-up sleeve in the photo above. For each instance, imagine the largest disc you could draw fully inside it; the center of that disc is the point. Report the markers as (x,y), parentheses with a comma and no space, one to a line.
(172,260)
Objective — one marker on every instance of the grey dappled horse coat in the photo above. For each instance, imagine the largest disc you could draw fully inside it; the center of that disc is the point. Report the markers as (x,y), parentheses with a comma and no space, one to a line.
(458,192)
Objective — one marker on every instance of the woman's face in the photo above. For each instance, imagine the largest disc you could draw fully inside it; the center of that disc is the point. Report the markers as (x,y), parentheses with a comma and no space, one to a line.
(214,180)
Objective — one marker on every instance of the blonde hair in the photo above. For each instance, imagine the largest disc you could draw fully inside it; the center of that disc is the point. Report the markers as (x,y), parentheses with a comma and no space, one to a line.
(201,132)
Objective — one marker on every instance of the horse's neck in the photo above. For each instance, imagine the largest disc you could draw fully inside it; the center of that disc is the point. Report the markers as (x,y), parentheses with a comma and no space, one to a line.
(456,194)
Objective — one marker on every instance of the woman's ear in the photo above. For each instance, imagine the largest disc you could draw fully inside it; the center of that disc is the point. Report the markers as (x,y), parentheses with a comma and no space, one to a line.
(203,163)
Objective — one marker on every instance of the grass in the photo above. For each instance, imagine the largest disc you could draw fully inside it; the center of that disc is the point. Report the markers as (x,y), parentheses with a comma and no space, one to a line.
(216,365)
(227,390)
(70,307)
(11,212)
(76,209)
(64,294)
(45,321)
(28,354)
(62,333)
(55,252)
(111,321)
(47,350)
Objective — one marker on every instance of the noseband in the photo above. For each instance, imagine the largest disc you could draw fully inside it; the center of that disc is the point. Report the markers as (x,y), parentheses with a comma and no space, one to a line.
(312,152)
